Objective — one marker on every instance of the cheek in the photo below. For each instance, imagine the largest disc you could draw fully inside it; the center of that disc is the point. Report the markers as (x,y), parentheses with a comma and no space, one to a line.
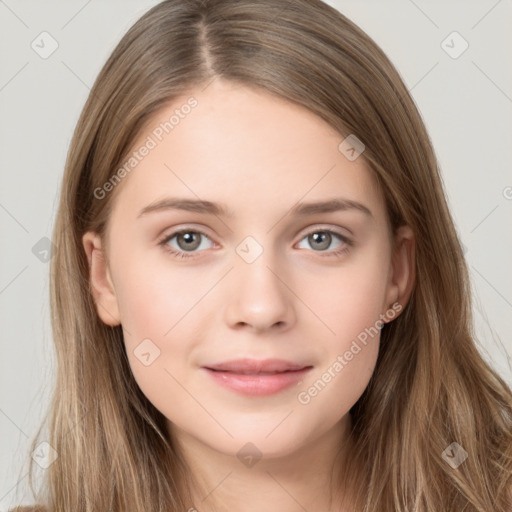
(164,303)
(159,309)
(350,304)
(154,296)
(350,298)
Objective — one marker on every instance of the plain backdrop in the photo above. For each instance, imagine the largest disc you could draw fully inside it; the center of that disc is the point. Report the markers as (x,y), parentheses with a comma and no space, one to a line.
(465,101)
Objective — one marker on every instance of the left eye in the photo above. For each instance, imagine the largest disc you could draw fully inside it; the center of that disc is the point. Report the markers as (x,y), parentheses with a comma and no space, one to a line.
(322,239)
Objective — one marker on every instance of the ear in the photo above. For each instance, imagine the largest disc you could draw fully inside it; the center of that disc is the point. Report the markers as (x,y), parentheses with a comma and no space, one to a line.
(402,271)
(101,285)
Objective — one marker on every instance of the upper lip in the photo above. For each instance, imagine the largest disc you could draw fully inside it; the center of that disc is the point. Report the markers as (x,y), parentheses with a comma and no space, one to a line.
(256,366)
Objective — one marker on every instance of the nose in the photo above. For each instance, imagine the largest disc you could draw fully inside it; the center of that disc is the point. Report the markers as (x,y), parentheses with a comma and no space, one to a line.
(258,296)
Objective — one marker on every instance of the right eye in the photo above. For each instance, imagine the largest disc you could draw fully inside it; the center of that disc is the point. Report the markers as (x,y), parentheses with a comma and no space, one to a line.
(186,241)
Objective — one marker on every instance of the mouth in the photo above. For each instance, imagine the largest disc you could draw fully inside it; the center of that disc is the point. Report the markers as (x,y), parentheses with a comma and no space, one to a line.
(257,378)
(255,366)
(253,373)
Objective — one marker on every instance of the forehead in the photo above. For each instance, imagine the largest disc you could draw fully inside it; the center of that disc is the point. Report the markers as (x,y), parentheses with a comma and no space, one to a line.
(245,148)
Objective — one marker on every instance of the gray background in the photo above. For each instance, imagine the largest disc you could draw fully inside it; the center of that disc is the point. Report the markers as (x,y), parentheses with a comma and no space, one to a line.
(465,102)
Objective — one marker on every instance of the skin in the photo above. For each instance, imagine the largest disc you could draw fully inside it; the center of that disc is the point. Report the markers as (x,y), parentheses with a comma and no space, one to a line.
(259,155)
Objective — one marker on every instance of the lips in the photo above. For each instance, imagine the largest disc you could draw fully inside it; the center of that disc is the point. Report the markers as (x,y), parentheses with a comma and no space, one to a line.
(256,367)
(255,378)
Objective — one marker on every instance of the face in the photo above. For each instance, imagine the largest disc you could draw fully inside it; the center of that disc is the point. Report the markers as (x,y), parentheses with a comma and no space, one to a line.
(218,257)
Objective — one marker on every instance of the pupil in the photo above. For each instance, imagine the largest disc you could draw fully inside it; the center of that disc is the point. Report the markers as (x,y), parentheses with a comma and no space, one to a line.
(322,238)
(191,240)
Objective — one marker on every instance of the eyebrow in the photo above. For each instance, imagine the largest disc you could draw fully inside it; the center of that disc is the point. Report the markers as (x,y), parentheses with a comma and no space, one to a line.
(208,207)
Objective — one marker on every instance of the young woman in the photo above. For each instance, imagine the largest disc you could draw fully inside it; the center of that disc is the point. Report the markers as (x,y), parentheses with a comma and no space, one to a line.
(259,298)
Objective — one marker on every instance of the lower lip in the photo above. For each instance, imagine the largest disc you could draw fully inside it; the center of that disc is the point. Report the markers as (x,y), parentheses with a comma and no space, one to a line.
(258,385)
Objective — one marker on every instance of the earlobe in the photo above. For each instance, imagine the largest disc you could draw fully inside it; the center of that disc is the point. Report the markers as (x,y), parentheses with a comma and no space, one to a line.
(101,285)
(403,274)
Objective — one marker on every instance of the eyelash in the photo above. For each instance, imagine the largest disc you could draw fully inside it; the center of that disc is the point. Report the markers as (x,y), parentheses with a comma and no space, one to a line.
(184,255)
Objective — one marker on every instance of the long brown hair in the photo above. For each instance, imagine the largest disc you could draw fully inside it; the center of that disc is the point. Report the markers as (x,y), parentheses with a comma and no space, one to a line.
(430,389)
